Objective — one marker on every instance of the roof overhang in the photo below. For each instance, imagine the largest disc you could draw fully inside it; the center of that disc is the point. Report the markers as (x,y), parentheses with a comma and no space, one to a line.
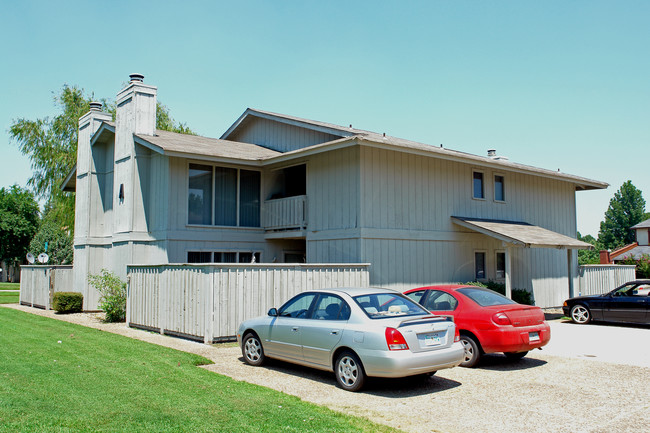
(520,234)
(70,182)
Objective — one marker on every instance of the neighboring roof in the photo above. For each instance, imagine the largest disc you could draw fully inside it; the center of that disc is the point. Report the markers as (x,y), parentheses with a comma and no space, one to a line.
(622,250)
(175,144)
(642,225)
(635,253)
(521,234)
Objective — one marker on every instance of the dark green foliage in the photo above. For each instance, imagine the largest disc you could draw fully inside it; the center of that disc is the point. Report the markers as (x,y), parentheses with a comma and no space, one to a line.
(589,257)
(18,223)
(626,209)
(58,238)
(521,296)
(67,302)
(642,265)
(112,292)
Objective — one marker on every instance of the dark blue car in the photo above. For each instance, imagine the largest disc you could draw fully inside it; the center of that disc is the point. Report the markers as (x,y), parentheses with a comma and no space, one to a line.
(627,303)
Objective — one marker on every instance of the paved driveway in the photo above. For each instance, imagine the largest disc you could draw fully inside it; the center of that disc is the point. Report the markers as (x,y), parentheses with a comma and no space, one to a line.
(616,343)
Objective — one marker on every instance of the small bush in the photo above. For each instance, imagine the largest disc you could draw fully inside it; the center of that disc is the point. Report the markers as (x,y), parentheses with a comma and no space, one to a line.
(642,265)
(521,296)
(67,302)
(112,292)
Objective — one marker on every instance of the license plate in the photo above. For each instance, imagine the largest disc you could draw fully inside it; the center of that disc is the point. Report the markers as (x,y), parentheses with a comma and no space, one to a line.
(533,337)
(432,339)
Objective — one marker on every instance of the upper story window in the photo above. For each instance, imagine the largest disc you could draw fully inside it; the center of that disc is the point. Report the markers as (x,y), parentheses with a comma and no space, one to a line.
(499,188)
(223,196)
(478,187)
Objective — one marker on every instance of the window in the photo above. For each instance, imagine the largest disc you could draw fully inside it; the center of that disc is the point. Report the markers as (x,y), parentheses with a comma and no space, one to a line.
(223,196)
(485,297)
(298,307)
(479,265)
(383,305)
(221,257)
(199,257)
(200,194)
(417,296)
(440,301)
(330,307)
(478,190)
(499,190)
(501,265)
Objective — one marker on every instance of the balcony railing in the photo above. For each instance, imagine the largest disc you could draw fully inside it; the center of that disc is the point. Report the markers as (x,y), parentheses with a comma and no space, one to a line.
(285,213)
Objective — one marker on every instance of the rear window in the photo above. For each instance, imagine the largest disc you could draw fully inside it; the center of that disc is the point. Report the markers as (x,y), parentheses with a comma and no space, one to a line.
(383,305)
(485,297)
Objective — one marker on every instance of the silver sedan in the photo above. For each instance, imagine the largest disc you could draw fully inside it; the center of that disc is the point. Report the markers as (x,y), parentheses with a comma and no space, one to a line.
(354,332)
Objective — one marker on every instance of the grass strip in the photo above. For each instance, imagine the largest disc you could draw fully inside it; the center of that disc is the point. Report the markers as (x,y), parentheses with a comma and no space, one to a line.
(60,377)
(9,298)
(9,286)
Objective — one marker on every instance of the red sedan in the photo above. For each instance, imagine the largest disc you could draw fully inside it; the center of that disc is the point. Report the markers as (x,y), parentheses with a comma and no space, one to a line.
(488,322)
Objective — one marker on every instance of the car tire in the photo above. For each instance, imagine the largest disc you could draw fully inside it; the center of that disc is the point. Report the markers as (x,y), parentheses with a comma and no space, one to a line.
(515,356)
(252,350)
(349,371)
(580,314)
(472,351)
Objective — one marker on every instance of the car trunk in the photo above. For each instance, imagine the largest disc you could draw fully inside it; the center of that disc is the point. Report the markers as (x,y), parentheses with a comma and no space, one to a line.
(521,315)
(427,334)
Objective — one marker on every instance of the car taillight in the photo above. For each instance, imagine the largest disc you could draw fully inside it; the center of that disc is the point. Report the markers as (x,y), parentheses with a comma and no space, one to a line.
(456,335)
(501,319)
(395,340)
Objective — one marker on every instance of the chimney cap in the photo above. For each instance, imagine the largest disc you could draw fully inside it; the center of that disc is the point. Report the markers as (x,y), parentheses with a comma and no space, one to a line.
(95,106)
(136,77)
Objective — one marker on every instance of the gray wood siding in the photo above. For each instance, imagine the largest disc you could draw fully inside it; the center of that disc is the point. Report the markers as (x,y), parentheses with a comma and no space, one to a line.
(407,234)
(333,198)
(279,136)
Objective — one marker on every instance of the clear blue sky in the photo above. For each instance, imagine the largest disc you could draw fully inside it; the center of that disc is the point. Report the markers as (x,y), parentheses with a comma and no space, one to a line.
(553,84)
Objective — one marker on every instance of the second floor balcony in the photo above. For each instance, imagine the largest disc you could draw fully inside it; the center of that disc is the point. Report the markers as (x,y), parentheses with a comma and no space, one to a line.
(284,214)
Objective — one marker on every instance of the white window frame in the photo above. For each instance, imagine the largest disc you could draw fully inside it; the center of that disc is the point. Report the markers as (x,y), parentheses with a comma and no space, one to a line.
(485,265)
(494,183)
(212,213)
(474,171)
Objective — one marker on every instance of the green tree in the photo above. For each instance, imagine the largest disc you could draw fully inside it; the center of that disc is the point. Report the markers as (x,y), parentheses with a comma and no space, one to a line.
(57,238)
(18,223)
(51,145)
(626,209)
(589,257)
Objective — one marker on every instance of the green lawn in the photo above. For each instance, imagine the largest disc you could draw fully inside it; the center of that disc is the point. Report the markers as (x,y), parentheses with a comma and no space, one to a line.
(9,286)
(9,298)
(60,377)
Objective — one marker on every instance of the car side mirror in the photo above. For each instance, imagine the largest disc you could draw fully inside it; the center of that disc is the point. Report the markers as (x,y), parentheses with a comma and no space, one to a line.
(273,312)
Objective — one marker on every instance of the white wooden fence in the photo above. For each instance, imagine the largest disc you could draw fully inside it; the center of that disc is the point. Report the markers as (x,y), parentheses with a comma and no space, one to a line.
(597,279)
(207,302)
(38,283)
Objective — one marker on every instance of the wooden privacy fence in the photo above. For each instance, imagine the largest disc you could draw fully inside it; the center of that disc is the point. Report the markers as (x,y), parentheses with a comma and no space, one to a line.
(38,283)
(208,302)
(597,279)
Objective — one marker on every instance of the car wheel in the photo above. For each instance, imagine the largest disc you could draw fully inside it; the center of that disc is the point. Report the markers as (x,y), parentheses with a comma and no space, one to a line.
(580,314)
(349,371)
(252,350)
(472,352)
(515,356)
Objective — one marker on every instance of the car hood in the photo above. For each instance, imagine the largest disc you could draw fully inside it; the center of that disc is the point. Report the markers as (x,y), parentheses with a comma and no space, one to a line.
(585,298)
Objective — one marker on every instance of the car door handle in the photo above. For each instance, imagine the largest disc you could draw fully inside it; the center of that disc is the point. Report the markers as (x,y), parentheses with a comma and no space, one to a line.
(295,329)
(335,332)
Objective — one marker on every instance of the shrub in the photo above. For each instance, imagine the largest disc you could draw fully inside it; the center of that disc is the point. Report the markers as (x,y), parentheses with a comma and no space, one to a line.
(642,265)
(521,296)
(67,302)
(112,292)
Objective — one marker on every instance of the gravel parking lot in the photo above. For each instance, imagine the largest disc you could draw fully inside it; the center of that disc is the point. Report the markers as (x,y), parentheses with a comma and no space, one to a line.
(568,387)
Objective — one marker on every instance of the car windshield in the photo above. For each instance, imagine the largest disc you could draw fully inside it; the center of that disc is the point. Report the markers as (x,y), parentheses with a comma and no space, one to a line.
(383,305)
(485,297)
